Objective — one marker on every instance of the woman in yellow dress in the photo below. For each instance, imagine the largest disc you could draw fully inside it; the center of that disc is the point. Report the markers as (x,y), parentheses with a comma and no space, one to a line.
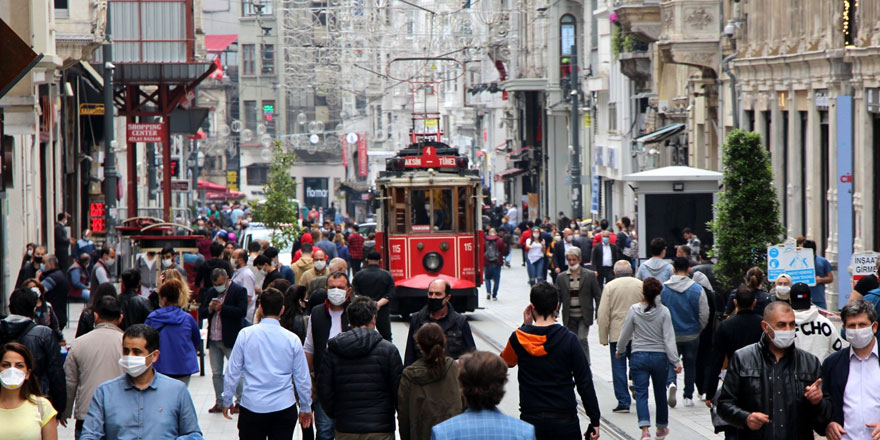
(24,413)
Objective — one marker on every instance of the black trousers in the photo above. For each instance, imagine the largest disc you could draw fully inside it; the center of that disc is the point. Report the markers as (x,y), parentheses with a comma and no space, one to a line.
(606,274)
(278,425)
(383,322)
(355,266)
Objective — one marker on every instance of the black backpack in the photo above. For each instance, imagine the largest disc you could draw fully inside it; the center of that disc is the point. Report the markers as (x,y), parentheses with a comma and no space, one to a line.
(6,334)
(491,253)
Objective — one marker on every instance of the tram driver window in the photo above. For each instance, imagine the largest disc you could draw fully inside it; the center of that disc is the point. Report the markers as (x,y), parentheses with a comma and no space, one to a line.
(442,203)
(420,205)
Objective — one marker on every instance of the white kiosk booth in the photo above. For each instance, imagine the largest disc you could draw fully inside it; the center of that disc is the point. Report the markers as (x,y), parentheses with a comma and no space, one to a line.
(671,199)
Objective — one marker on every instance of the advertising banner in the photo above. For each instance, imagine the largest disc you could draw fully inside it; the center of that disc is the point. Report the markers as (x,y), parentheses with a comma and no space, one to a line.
(363,163)
(146,132)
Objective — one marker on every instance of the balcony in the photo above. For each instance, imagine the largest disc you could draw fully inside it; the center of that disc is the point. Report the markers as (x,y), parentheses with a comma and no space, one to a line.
(637,67)
(640,17)
(691,33)
(80,30)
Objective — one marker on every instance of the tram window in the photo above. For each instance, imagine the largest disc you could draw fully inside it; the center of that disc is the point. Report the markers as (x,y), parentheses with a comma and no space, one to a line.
(463,208)
(442,209)
(397,214)
(420,205)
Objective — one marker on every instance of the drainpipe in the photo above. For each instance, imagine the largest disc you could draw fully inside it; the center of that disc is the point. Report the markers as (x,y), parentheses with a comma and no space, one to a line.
(725,64)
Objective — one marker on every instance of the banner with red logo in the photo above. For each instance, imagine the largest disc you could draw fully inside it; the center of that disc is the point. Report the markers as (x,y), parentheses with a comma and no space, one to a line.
(344,143)
(362,155)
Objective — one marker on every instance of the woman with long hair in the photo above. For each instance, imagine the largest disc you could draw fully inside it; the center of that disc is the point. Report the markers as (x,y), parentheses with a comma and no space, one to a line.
(294,316)
(178,333)
(754,280)
(24,413)
(429,391)
(648,325)
(87,317)
(535,248)
(45,313)
(342,248)
(185,293)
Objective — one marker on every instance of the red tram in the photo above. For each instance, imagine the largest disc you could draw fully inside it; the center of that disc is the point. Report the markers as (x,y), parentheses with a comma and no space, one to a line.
(428,226)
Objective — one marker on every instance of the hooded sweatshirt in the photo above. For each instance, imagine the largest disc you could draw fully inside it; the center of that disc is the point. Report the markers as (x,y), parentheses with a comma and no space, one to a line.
(688,306)
(551,358)
(657,268)
(815,333)
(426,398)
(178,338)
(650,331)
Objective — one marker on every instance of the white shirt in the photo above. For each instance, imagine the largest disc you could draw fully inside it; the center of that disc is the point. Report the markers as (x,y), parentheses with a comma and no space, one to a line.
(606,256)
(245,278)
(258,276)
(861,397)
(335,329)
(511,216)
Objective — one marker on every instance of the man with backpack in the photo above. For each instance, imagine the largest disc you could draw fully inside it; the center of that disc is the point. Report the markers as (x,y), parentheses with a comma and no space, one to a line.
(493,258)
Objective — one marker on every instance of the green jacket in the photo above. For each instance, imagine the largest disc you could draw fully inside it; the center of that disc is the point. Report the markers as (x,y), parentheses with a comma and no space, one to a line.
(425,399)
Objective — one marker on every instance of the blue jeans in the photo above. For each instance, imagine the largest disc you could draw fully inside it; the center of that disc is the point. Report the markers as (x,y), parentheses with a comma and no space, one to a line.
(325,427)
(618,373)
(493,276)
(688,352)
(648,365)
(536,270)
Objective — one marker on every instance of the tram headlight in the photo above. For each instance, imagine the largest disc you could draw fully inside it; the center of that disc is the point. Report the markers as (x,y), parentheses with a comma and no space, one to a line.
(432,262)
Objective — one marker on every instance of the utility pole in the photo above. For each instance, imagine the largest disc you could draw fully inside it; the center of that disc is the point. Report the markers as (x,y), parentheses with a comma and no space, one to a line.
(577,196)
(109,142)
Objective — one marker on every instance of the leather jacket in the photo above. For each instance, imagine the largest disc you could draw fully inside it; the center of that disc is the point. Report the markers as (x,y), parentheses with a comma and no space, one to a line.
(748,388)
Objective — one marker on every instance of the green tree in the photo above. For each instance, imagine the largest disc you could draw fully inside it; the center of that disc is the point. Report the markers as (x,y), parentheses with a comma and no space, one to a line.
(279,211)
(747,212)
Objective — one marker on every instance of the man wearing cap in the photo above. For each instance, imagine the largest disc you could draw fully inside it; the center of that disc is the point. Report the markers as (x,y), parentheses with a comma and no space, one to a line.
(378,284)
(816,333)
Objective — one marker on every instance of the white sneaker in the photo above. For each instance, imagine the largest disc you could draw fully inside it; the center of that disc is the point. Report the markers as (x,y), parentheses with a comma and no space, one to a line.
(670,391)
(688,402)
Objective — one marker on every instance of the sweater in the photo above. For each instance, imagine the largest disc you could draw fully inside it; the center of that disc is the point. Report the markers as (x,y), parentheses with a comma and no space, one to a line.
(815,333)
(657,268)
(650,331)
(617,297)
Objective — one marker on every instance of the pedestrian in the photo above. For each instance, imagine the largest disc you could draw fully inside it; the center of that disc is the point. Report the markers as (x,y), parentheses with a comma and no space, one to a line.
(824,275)
(320,269)
(597,237)
(135,308)
(148,266)
(268,270)
(270,362)
(359,362)
(179,336)
(551,364)
(169,261)
(185,294)
(378,284)
(493,258)
(512,217)
(336,265)
(30,267)
(87,316)
(867,283)
(203,276)
(57,287)
(459,339)
(325,322)
(483,376)
(693,242)
(224,306)
(817,335)
(244,277)
(305,238)
(342,249)
(85,245)
(142,403)
(707,268)
(773,389)
(370,242)
(559,248)
(24,412)
(755,280)
(45,313)
(656,266)
(285,271)
(851,377)
(578,308)
(78,278)
(93,359)
(294,318)
(534,246)
(305,261)
(604,255)
(648,326)
(429,392)
(355,248)
(781,290)
(326,245)
(41,342)
(618,297)
(63,241)
(101,271)
(688,305)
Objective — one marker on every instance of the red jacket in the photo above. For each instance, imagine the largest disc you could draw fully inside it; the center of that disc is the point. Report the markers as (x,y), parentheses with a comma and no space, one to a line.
(356,246)
(598,238)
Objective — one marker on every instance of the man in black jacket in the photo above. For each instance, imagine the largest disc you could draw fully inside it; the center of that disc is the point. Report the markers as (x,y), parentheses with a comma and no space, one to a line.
(41,342)
(62,241)
(57,287)
(603,257)
(772,389)
(359,362)
(559,252)
(224,305)
(459,339)
(378,284)
(858,365)
(203,276)
(135,307)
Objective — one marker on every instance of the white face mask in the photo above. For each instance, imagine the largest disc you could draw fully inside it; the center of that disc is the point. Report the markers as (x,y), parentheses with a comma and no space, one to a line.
(783,290)
(110,262)
(320,264)
(12,378)
(568,239)
(860,338)
(30,252)
(134,366)
(336,296)
(167,262)
(783,338)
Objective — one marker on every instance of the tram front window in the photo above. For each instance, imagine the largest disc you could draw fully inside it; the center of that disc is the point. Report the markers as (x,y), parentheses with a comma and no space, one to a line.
(442,204)
(421,210)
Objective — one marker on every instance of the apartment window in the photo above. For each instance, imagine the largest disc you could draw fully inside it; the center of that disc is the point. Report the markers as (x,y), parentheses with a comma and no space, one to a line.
(61,9)
(248,64)
(250,114)
(267,57)
(258,174)
(250,8)
(612,116)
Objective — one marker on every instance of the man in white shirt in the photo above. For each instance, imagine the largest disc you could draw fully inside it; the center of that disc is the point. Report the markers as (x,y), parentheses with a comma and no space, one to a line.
(244,277)
(603,257)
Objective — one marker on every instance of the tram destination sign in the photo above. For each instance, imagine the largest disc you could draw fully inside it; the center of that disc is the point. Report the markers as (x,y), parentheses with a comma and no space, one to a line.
(430,159)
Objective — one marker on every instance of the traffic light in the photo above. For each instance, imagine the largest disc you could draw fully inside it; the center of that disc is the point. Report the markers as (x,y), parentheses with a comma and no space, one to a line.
(269,111)
(175,167)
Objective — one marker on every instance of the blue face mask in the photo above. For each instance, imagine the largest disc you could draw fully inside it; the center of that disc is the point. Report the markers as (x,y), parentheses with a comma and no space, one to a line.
(605,240)
(42,267)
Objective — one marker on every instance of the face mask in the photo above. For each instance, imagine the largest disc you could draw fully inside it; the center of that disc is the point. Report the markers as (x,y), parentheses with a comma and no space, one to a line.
(320,265)
(783,290)
(577,234)
(167,262)
(134,366)
(568,239)
(336,296)
(38,260)
(264,272)
(783,338)
(572,226)
(36,291)
(221,288)
(556,238)
(435,304)
(605,240)
(860,338)
(30,252)
(110,262)
(12,378)
(42,268)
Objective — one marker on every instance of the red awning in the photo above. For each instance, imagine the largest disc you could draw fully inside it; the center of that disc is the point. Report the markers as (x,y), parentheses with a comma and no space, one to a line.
(224,195)
(506,174)
(211,186)
(219,43)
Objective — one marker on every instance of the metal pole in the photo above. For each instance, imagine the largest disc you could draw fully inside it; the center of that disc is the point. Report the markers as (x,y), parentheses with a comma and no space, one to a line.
(577,196)
(109,142)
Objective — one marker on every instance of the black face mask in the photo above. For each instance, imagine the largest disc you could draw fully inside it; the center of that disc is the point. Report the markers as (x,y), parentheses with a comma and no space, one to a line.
(435,304)
(38,260)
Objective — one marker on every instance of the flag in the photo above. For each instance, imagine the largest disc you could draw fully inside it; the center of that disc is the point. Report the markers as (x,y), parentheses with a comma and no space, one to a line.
(218,72)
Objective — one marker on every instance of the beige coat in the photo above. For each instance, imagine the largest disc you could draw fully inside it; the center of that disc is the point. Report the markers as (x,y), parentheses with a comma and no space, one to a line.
(303,265)
(310,275)
(617,298)
(93,359)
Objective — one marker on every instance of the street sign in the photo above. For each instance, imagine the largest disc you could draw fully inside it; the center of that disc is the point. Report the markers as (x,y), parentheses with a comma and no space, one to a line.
(91,109)
(798,263)
(146,132)
(863,264)
(180,185)
(351,138)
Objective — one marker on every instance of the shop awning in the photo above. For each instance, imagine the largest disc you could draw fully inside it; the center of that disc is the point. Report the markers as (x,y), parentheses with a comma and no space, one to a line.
(661,134)
(225,195)
(211,186)
(219,43)
(508,173)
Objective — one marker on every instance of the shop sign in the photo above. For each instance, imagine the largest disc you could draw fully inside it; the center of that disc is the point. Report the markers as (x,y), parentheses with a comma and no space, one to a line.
(147,132)
(91,109)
